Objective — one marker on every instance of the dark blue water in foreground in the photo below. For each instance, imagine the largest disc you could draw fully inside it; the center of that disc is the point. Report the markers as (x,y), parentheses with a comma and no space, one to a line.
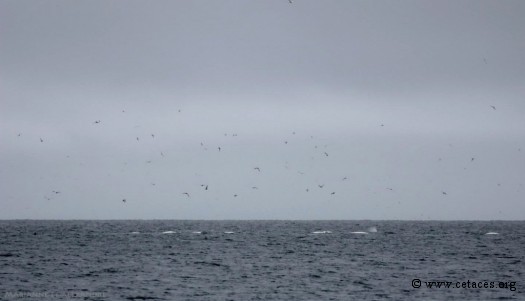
(260,260)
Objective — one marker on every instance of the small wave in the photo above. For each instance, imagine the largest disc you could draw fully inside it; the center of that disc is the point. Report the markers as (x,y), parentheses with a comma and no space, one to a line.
(492,233)
(322,232)
(135,232)
(359,232)
(168,232)
(196,232)
(228,232)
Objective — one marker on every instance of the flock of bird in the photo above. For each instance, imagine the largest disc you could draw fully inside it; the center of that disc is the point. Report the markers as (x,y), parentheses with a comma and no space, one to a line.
(258,169)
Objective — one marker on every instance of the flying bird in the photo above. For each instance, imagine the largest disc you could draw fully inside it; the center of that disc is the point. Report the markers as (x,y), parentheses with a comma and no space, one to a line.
(97,121)
(123,200)
(326,154)
(41,140)
(493,107)
(444,193)
(332,193)
(257,168)
(255,187)
(187,194)
(321,186)
(345,178)
(234,195)
(137,138)
(472,159)
(152,136)
(219,148)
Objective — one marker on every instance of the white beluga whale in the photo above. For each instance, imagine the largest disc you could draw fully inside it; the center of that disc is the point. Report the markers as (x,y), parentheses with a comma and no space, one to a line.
(371,229)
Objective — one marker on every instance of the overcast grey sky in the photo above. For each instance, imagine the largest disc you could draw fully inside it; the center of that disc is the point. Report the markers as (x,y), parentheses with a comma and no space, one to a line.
(398,109)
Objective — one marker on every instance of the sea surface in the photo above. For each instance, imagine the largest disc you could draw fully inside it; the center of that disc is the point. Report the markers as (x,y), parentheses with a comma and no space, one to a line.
(261,260)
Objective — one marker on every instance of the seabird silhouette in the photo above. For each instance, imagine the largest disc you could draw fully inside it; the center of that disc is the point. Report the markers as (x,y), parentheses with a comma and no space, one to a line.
(332,193)
(326,154)
(257,168)
(97,121)
(123,200)
(234,195)
(444,193)
(321,186)
(187,194)
(41,140)
(255,187)
(219,148)
(493,107)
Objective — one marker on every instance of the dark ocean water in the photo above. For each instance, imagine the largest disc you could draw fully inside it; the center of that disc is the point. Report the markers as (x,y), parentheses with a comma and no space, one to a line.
(261,260)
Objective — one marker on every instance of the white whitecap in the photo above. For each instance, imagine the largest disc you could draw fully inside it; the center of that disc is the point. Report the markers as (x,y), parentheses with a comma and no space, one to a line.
(228,232)
(372,230)
(359,232)
(135,232)
(196,232)
(491,233)
(321,232)
(168,232)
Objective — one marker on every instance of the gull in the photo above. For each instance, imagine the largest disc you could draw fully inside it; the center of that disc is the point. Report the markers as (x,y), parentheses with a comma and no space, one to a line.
(152,136)
(234,195)
(307,189)
(444,193)
(41,140)
(472,159)
(162,154)
(137,138)
(332,193)
(97,121)
(326,154)
(389,189)
(56,192)
(257,168)
(345,178)
(255,187)
(219,148)
(321,186)
(493,107)
(187,194)
(18,134)
(123,200)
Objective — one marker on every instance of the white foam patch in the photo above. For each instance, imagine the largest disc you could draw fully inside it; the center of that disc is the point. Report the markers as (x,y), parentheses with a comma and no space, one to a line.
(492,233)
(196,232)
(228,232)
(135,232)
(168,232)
(359,232)
(321,232)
